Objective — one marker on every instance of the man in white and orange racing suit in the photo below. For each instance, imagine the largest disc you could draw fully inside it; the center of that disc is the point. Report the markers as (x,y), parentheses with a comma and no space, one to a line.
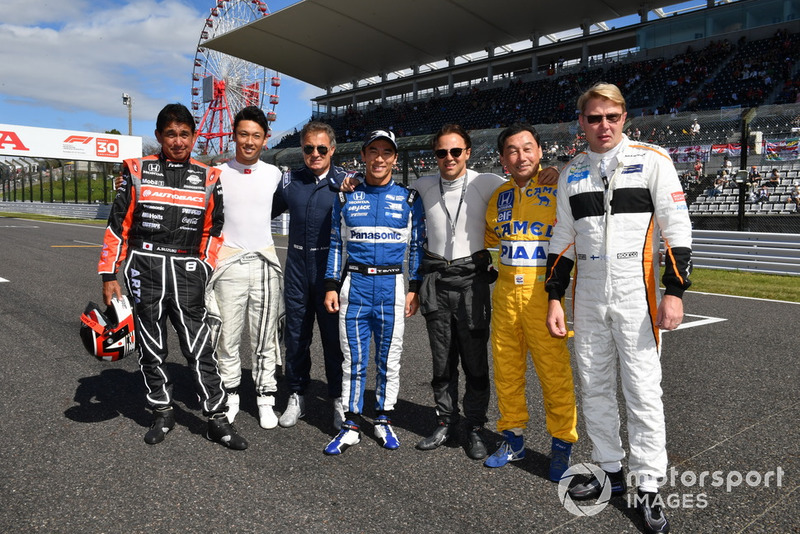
(520,217)
(614,203)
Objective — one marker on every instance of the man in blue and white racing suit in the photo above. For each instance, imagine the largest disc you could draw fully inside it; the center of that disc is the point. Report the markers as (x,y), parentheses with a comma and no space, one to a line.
(373,228)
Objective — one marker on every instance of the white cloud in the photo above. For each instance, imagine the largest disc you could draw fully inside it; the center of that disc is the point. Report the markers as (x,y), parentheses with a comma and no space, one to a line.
(86,63)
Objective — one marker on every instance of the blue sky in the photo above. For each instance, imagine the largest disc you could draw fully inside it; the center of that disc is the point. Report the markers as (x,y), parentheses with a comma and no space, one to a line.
(65,64)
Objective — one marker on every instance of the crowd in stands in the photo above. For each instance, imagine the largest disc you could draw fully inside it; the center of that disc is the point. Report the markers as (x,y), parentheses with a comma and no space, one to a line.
(772,188)
(747,73)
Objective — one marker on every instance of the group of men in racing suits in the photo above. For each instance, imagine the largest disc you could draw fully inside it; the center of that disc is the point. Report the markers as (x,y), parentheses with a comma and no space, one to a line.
(605,216)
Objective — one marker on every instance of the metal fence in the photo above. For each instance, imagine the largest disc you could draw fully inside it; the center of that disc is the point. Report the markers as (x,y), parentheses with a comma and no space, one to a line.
(747,251)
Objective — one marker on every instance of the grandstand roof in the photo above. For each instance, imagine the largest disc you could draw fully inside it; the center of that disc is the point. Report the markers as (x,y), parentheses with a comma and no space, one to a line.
(330,42)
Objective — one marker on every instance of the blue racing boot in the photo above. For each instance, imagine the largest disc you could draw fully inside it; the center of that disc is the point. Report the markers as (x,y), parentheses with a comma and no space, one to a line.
(385,432)
(511,449)
(350,434)
(560,452)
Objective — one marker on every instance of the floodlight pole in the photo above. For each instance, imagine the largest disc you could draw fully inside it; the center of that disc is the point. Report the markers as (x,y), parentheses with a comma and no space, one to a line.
(127,100)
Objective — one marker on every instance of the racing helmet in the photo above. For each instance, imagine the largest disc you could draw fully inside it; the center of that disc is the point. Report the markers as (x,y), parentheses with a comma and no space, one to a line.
(109,336)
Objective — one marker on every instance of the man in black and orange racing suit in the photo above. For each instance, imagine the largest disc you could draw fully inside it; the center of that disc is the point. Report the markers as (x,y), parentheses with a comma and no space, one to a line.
(165,225)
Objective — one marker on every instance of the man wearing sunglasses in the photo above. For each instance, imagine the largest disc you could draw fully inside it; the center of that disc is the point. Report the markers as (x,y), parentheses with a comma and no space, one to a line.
(455,294)
(615,201)
(308,194)
(519,221)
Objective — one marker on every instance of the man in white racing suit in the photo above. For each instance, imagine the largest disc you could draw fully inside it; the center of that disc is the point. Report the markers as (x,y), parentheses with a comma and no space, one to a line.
(614,202)
(248,279)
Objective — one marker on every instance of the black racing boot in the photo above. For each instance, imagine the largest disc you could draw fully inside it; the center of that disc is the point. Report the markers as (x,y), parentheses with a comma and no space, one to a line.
(476,448)
(649,505)
(163,422)
(444,431)
(593,488)
(221,431)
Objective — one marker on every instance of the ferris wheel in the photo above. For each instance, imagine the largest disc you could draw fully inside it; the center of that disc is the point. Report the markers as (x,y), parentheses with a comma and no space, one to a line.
(223,84)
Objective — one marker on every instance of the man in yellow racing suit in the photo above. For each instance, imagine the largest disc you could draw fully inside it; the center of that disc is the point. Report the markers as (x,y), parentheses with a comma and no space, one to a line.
(520,219)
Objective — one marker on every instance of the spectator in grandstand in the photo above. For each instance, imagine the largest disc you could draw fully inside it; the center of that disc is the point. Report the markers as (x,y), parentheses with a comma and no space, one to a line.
(308,194)
(774,179)
(719,184)
(763,194)
(164,230)
(695,129)
(455,294)
(698,170)
(248,280)
(613,318)
(727,165)
(754,177)
(519,219)
(794,197)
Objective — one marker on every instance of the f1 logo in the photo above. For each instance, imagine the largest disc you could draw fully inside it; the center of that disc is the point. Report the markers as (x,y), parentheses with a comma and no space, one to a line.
(78,139)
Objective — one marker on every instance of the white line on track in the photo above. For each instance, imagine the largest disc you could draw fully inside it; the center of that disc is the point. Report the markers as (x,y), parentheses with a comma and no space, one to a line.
(739,297)
(704,320)
(3,280)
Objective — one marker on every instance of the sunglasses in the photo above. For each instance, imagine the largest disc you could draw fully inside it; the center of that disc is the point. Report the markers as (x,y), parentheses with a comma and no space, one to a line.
(309,149)
(612,118)
(442,152)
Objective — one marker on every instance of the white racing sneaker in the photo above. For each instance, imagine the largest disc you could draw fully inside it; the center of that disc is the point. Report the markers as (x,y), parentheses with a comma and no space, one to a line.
(295,410)
(266,415)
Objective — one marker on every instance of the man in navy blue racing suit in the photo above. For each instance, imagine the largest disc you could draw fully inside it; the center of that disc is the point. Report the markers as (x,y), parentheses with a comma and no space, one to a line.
(372,229)
(308,194)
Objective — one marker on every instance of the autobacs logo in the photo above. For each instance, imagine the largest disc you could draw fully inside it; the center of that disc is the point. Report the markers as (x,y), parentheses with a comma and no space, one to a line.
(154,194)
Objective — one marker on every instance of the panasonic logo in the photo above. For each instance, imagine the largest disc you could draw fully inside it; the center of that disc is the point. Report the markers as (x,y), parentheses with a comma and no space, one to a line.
(357,235)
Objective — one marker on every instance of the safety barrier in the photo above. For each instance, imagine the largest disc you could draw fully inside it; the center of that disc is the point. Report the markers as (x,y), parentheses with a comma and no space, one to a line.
(746,251)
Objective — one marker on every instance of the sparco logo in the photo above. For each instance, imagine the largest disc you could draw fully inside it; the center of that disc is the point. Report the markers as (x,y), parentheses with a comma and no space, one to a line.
(173,196)
(393,236)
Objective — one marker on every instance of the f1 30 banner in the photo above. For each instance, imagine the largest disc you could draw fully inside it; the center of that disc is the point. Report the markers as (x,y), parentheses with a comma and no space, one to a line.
(27,141)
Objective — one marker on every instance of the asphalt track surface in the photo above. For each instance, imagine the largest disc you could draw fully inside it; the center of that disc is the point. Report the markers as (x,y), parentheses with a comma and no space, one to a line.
(73,458)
